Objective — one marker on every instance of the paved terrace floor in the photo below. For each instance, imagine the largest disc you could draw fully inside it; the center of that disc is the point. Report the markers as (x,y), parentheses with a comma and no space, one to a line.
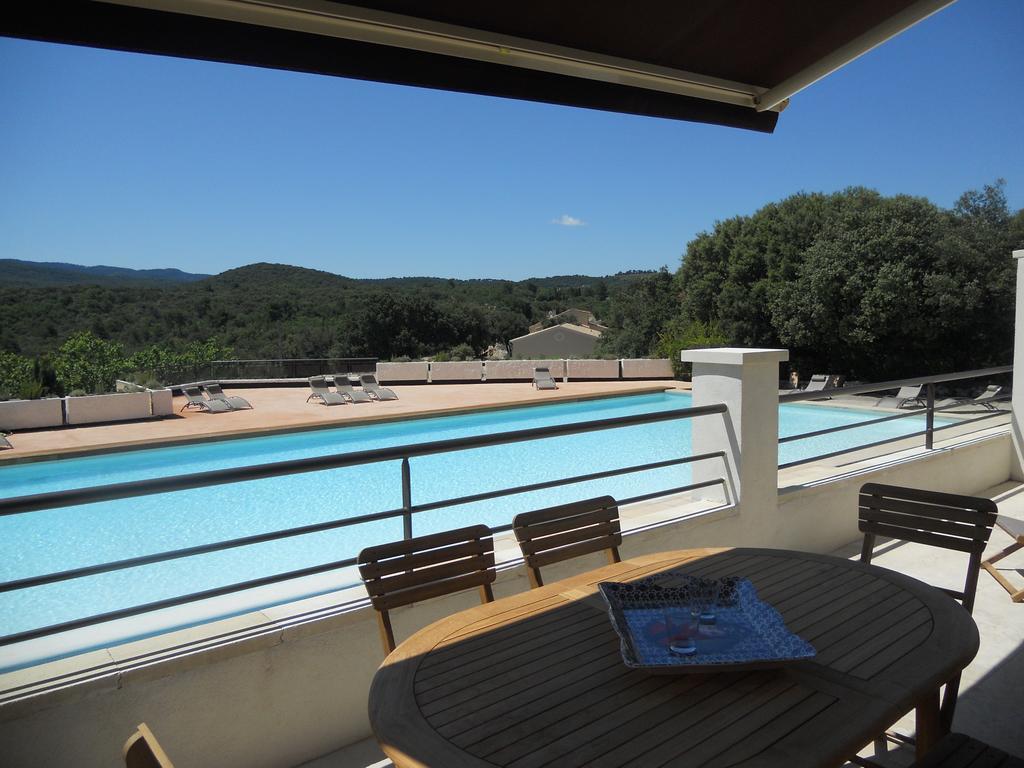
(989,707)
(285,408)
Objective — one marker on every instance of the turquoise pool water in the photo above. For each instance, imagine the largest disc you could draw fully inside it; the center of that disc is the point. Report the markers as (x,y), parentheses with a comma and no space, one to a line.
(41,542)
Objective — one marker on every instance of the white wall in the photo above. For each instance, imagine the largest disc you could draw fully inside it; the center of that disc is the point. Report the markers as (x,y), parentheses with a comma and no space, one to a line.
(647,369)
(521,370)
(163,402)
(95,409)
(394,372)
(31,414)
(457,371)
(592,369)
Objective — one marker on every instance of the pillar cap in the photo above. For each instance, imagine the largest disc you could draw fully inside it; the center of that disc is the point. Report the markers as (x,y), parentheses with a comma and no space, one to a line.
(734,355)
(1018,254)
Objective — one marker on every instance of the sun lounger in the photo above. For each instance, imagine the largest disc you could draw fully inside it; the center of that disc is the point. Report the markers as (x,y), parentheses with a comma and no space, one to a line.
(194,399)
(1013,528)
(321,392)
(984,399)
(370,385)
(818,382)
(344,387)
(542,379)
(4,442)
(214,392)
(911,394)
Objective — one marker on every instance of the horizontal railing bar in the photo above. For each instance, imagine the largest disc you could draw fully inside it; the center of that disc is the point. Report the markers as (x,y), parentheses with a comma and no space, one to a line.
(170,602)
(151,486)
(566,481)
(262,538)
(671,491)
(989,415)
(854,448)
(201,549)
(840,428)
(857,389)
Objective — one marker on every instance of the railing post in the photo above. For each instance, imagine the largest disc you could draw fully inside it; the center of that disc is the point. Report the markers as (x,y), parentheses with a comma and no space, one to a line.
(1017,403)
(929,438)
(406,500)
(747,382)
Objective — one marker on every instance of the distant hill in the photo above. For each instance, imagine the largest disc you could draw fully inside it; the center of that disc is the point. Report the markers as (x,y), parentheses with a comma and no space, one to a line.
(43,273)
(277,310)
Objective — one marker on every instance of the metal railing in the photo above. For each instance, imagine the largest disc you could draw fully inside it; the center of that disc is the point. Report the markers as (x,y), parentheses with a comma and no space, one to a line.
(27,504)
(929,409)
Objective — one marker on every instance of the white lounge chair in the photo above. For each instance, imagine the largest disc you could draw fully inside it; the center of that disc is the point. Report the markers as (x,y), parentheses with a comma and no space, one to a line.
(214,392)
(323,393)
(345,389)
(542,379)
(373,389)
(194,399)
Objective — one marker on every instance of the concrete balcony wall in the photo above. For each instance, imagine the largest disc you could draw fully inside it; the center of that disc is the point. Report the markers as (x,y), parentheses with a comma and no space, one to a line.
(402,372)
(163,402)
(592,369)
(31,414)
(285,691)
(521,370)
(96,409)
(647,369)
(457,371)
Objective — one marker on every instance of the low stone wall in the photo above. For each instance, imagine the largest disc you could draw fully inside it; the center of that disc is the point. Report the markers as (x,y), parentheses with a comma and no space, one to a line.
(592,369)
(455,371)
(31,414)
(647,369)
(163,402)
(402,372)
(95,409)
(521,370)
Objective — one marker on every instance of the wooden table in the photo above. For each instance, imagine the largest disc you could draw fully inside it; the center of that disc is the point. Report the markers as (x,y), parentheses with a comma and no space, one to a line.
(537,679)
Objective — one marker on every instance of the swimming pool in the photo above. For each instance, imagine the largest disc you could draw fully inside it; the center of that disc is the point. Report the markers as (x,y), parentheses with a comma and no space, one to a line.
(36,543)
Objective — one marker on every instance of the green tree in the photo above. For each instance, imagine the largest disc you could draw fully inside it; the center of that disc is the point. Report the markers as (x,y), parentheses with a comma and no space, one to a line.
(638,314)
(88,363)
(15,375)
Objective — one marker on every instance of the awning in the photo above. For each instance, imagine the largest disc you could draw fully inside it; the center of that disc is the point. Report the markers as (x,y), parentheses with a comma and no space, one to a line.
(727,62)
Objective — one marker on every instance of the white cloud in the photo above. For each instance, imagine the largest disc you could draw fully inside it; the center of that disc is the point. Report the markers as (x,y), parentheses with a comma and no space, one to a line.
(566,220)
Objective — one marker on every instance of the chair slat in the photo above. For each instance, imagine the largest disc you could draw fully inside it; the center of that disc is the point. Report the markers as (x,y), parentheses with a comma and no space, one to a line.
(535,530)
(567,553)
(554,541)
(420,576)
(379,568)
(563,511)
(922,537)
(962,530)
(959,514)
(423,543)
(931,497)
(434,589)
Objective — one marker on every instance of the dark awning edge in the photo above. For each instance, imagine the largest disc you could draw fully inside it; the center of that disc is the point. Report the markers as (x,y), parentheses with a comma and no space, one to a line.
(133,29)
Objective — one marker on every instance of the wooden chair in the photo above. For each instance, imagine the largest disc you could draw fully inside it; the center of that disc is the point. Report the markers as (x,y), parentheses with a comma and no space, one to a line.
(420,568)
(946,520)
(959,751)
(1015,529)
(559,533)
(143,751)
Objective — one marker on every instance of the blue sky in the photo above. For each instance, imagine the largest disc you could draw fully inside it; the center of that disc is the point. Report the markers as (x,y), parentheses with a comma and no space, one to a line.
(145,162)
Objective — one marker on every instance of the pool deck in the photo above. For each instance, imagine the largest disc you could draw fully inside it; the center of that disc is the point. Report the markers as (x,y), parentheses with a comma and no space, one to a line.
(282,409)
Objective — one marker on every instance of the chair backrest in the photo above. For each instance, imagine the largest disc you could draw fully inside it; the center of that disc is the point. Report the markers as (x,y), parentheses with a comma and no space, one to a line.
(559,533)
(318,384)
(910,392)
(213,389)
(143,751)
(193,394)
(368,380)
(946,520)
(541,374)
(423,567)
(991,390)
(818,381)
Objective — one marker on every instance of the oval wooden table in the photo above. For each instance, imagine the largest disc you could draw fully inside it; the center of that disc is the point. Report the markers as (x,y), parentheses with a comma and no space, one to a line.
(537,679)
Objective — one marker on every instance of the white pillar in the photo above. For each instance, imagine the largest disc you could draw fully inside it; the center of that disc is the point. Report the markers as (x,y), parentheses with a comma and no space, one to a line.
(747,381)
(1017,400)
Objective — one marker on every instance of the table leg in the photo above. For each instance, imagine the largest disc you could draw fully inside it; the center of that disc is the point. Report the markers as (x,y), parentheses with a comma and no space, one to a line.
(928,726)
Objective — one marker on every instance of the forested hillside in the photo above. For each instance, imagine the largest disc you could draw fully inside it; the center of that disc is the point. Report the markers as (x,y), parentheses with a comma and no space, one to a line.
(273,310)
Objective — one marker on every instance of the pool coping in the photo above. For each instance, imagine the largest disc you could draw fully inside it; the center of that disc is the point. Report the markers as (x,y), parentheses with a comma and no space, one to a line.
(241,434)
